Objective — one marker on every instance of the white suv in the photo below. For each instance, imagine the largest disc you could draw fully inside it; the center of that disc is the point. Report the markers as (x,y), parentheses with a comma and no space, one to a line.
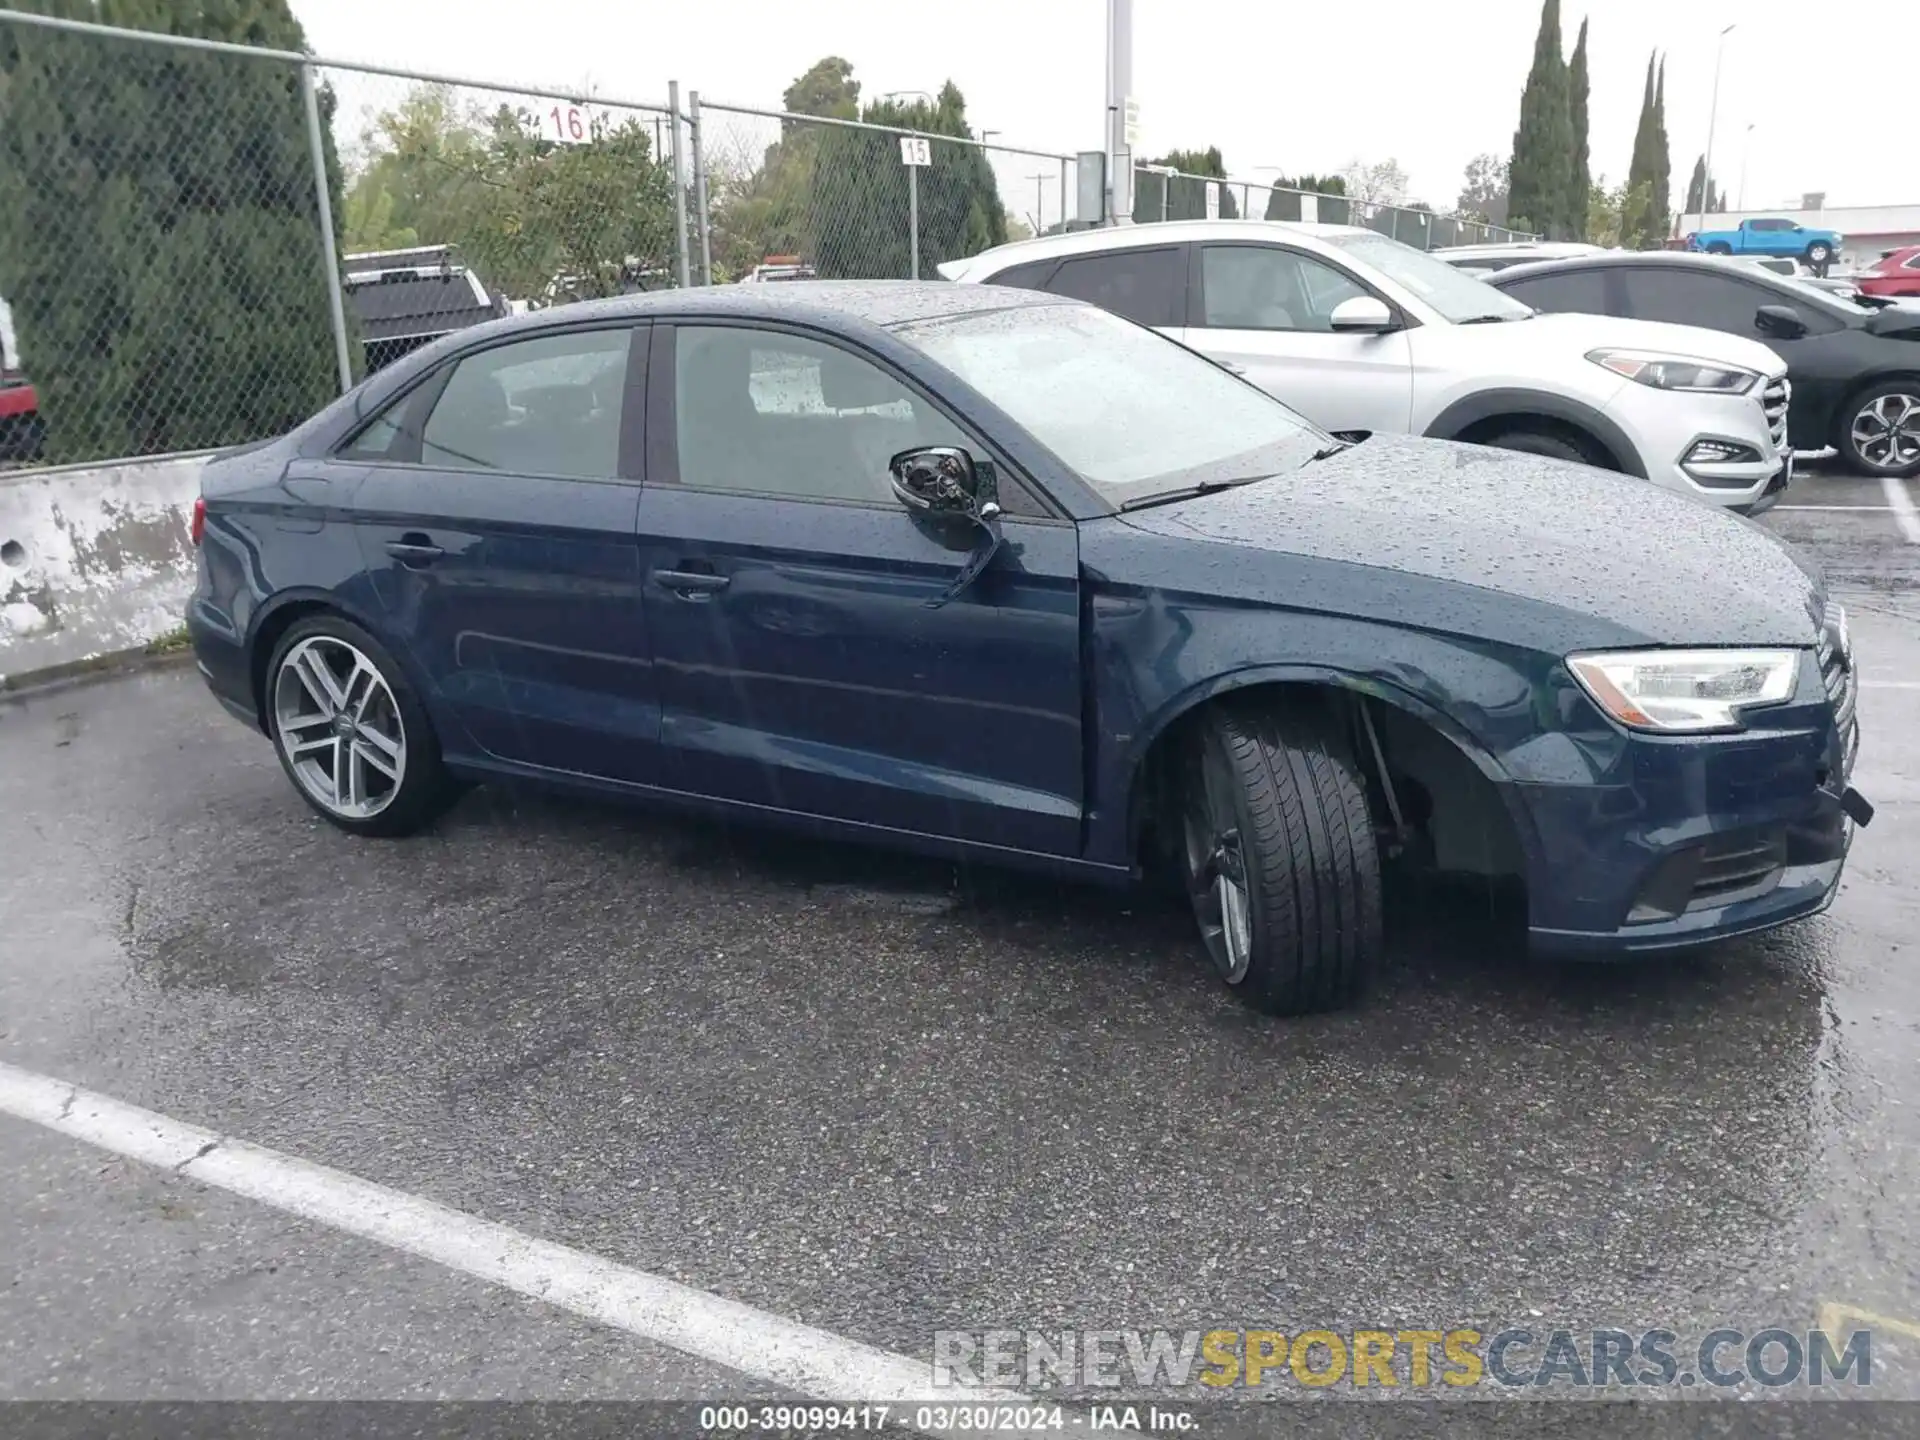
(1361,333)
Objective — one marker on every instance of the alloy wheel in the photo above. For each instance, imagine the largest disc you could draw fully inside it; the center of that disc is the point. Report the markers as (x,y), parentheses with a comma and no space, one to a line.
(338,727)
(1886,431)
(1216,869)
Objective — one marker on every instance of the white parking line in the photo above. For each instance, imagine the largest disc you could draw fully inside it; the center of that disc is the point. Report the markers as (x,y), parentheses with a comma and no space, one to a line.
(1890,684)
(1843,509)
(768,1347)
(1904,515)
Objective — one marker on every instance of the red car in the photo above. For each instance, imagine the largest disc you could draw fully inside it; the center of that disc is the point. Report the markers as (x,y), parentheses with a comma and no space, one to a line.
(1897,274)
(22,432)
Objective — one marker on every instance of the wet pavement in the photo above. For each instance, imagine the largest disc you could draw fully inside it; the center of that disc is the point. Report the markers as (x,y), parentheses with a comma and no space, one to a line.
(886,1098)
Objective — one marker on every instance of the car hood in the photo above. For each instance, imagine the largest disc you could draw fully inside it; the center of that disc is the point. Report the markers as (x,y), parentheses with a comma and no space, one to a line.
(1590,331)
(1645,565)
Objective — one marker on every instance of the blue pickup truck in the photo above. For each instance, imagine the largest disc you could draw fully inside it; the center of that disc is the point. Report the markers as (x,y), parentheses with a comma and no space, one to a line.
(1771,237)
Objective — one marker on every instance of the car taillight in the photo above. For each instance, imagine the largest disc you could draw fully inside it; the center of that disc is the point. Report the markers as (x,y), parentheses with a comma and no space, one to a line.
(198,525)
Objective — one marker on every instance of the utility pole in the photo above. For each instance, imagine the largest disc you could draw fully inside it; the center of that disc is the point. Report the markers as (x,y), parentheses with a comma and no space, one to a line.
(1119,101)
(1713,114)
(1040,201)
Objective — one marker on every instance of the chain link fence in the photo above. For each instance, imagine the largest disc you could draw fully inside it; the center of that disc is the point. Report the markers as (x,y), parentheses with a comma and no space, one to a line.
(203,243)
(799,195)
(466,201)
(161,252)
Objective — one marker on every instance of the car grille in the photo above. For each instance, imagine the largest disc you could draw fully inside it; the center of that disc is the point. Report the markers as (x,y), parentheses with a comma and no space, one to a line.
(1774,401)
(1730,866)
(1843,691)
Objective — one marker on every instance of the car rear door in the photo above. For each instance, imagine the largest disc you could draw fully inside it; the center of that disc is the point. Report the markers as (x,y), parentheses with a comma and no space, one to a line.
(803,663)
(497,521)
(1266,310)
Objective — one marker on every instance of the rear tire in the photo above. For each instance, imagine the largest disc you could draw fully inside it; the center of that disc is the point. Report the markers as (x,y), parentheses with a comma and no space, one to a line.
(350,732)
(1878,432)
(1541,442)
(1280,860)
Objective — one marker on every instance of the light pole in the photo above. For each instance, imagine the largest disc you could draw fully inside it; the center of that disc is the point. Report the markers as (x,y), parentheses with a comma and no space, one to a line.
(1713,114)
(1746,153)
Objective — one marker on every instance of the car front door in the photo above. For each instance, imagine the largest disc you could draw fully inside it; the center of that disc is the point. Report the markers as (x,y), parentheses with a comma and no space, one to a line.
(805,661)
(1266,311)
(497,520)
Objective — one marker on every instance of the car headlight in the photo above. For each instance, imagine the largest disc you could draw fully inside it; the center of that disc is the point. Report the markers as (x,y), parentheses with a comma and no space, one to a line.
(1676,372)
(1684,690)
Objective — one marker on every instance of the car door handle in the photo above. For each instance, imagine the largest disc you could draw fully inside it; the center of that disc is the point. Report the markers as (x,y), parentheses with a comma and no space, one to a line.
(414,550)
(691,584)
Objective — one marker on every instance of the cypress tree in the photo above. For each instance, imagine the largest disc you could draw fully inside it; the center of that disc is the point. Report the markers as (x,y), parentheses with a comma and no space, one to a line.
(1640,168)
(1660,209)
(1580,187)
(1543,144)
(160,244)
(1697,201)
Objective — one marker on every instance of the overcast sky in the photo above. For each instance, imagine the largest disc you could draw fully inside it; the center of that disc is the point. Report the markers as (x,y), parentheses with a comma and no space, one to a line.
(1306,87)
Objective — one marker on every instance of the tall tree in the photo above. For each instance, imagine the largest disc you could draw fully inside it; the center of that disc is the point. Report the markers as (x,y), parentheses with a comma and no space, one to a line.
(1640,170)
(1580,185)
(1329,192)
(536,219)
(858,193)
(1543,144)
(760,198)
(159,243)
(1176,197)
(1660,208)
(827,88)
(1484,195)
(1697,203)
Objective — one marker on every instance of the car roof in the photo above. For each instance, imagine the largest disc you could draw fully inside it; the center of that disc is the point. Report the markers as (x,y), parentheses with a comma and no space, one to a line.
(1170,232)
(831,303)
(1670,258)
(1497,249)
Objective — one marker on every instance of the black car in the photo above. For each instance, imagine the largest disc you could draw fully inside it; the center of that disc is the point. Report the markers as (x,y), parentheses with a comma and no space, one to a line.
(999,575)
(1855,372)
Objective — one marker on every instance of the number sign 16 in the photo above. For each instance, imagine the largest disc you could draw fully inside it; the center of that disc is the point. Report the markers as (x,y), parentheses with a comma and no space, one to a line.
(569,124)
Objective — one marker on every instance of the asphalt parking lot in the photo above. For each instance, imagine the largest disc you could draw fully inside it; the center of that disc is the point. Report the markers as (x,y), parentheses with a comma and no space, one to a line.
(883,1099)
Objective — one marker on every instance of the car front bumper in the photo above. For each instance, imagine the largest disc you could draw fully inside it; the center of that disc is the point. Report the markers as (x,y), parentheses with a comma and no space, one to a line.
(1728,451)
(1674,842)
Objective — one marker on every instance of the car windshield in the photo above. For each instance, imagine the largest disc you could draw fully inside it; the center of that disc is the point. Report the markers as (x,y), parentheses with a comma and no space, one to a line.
(1456,294)
(1132,413)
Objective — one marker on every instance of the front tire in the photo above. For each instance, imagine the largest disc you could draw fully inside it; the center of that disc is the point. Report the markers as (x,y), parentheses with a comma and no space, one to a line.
(1819,256)
(1719,247)
(1540,442)
(1880,429)
(350,732)
(1281,863)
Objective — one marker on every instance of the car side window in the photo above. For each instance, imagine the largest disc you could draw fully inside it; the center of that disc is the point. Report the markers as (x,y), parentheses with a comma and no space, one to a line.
(550,405)
(1573,292)
(1693,297)
(1030,276)
(1262,287)
(1912,262)
(771,413)
(386,437)
(1144,286)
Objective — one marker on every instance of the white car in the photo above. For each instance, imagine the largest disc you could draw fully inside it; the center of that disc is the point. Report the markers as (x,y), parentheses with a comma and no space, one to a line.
(1361,333)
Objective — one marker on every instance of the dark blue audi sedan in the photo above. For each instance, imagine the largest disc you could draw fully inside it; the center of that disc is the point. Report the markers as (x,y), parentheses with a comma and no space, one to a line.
(1003,577)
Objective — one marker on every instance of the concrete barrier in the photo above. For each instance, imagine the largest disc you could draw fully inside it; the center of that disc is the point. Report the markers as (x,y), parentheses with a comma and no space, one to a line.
(95,561)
